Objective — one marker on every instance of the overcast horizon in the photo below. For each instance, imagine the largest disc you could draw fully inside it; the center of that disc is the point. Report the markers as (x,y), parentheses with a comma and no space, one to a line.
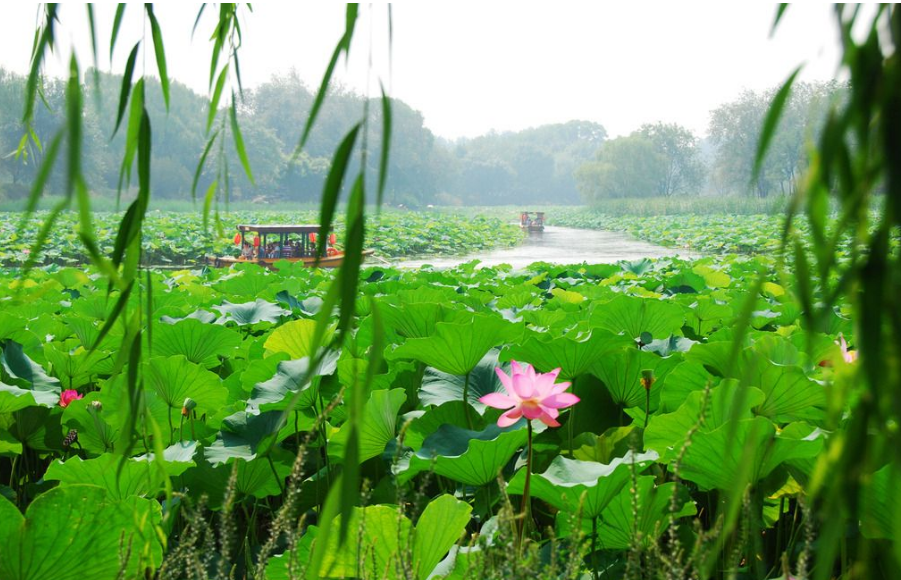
(511,69)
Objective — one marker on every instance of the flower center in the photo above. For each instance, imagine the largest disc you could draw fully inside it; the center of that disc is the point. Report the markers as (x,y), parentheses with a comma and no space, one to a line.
(532,403)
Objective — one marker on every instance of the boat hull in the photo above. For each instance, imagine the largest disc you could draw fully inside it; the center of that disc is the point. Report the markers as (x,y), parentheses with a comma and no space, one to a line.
(335,261)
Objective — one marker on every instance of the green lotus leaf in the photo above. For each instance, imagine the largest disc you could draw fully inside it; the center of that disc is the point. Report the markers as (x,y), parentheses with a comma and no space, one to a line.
(439,387)
(638,267)
(439,527)
(583,487)
(618,524)
(203,316)
(742,451)
(726,402)
(250,312)
(243,435)
(74,532)
(254,478)
(24,372)
(123,477)
(621,373)
(636,315)
(175,378)
(74,368)
(655,504)
(685,378)
(574,356)
(880,505)
(604,448)
(385,535)
(449,413)
(198,342)
(13,398)
(309,306)
(457,348)
(276,392)
(10,325)
(790,395)
(685,281)
(250,282)
(705,315)
(257,371)
(378,427)
(176,458)
(470,457)
(414,319)
(295,338)
(667,346)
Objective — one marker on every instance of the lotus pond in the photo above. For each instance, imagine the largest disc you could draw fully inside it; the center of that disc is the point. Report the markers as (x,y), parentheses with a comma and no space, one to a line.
(237,442)
(182,238)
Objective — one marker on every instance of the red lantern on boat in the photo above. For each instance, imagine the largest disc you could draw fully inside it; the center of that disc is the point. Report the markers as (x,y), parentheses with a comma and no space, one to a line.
(237,239)
(313,238)
(332,238)
(256,241)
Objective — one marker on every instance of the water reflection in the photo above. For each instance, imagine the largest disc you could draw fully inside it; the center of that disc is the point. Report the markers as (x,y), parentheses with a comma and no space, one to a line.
(562,246)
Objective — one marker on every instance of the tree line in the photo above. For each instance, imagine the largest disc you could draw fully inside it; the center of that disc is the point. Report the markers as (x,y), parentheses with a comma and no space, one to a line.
(661,160)
(561,163)
(531,166)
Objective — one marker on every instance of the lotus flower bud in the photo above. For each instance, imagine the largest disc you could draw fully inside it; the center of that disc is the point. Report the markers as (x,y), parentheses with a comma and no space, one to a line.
(647,378)
(97,406)
(188,406)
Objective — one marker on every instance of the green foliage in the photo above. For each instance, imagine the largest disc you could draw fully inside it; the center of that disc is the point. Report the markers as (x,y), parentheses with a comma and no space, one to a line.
(182,238)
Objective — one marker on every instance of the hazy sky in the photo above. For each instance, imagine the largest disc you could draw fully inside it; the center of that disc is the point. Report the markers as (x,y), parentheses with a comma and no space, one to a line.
(473,67)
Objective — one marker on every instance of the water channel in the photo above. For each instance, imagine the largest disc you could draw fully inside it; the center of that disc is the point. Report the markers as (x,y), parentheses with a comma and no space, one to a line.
(559,245)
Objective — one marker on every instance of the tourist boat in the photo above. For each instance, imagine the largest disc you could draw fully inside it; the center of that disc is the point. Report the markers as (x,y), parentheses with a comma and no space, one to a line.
(267,244)
(530,224)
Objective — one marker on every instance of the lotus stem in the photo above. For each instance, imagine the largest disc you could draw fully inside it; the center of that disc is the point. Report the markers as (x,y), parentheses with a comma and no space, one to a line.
(466,402)
(278,480)
(526,488)
(171,427)
(647,407)
(594,547)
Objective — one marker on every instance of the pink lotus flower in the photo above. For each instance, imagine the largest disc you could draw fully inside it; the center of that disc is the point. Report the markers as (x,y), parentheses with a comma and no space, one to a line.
(530,394)
(849,355)
(68,396)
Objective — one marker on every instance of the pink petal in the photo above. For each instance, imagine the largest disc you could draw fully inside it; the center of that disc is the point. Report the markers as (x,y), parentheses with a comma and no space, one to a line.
(559,388)
(498,401)
(552,412)
(548,420)
(543,385)
(510,417)
(505,380)
(515,368)
(560,400)
(523,386)
(532,412)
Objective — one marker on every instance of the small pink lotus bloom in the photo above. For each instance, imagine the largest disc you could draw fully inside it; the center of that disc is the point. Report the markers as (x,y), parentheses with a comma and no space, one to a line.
(530,394)
(68,396)
(849,355)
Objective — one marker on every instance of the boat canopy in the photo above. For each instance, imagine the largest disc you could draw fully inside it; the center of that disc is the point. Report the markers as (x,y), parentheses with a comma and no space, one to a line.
(279,228)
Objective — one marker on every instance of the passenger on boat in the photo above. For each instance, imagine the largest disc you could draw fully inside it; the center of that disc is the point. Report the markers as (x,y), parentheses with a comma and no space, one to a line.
(247,252)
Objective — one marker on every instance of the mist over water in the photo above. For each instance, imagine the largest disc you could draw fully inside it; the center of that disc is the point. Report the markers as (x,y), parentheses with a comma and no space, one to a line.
(558,245)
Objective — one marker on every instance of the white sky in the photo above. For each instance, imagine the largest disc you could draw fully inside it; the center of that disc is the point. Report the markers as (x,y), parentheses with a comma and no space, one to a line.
(473,67)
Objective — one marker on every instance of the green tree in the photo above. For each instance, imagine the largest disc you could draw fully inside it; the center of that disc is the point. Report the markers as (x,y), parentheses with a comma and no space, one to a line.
(684,171)
(735,130)
(631,166)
